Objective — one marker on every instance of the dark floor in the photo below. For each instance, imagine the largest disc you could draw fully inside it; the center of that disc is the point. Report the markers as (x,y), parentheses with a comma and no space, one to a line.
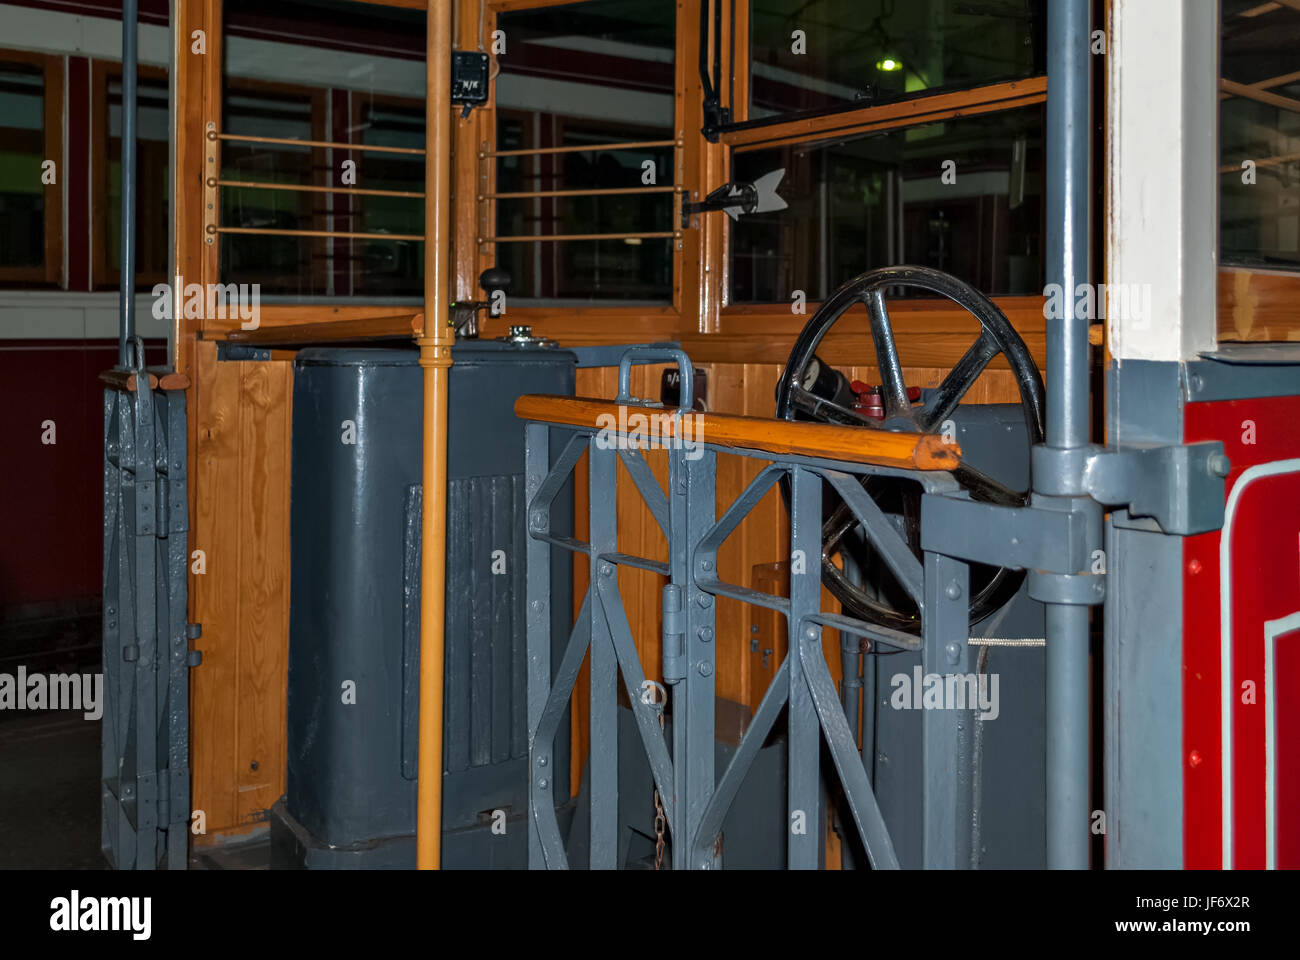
(49,791)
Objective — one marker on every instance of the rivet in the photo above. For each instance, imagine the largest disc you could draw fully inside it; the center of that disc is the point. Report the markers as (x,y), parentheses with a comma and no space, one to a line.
(952,591)
(541,761)
(953,651)
(1193,566)
(810,633)
(543,783)
(1194,758)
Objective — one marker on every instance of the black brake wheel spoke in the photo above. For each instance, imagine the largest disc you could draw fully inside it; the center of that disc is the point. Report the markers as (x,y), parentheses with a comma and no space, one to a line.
(893,392)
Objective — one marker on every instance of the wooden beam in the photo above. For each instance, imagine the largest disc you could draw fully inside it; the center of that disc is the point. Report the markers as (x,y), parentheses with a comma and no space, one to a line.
(399,327)
(1262,96)
(885,448)
(943,106)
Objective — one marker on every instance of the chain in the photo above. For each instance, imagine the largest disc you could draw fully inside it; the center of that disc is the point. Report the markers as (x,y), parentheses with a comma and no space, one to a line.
(661,821)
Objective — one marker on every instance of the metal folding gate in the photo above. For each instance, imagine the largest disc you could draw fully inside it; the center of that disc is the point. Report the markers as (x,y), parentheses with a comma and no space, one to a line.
(145,786)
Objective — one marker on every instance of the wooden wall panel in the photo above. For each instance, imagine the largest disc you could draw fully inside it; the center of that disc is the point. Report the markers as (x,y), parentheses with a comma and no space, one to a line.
(242,414)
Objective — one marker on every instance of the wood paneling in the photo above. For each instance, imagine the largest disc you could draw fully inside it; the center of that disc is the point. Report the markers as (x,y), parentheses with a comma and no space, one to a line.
(243,413)
(1258,304)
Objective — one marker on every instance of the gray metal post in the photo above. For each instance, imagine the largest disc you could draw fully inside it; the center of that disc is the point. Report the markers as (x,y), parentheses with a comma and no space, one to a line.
(698,706)
(1068,206)
(537,458)
(806,842)
(126,296)
(603,751)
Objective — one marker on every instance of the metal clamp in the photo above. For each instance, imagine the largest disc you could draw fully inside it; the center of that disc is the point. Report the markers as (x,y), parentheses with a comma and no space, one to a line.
(1179,486)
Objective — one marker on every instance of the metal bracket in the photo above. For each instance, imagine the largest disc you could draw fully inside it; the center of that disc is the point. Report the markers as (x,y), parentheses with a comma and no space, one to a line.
(1179,486)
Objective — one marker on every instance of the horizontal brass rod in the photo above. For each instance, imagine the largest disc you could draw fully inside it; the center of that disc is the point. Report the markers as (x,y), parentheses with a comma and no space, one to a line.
(296,187)
(611,191)
(369,147)
(582,148)
(269,232)
(580,236)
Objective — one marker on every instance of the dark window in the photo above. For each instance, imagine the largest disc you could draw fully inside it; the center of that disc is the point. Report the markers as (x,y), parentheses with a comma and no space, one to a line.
(823,54)
(881,200)
(1259,136)
(591,73)
(22,151)
(153,207)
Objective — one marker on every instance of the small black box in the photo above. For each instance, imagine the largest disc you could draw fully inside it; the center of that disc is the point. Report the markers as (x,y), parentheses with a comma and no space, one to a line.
(469,76)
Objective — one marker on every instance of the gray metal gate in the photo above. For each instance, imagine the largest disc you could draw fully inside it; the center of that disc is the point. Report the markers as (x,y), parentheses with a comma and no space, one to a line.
(145,787)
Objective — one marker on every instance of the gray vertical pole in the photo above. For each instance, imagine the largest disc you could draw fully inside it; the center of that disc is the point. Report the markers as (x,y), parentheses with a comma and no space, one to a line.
(947,797)
(701,662)
(1068,205)
(603,755)
(537,447)
(126,297)
(803,737)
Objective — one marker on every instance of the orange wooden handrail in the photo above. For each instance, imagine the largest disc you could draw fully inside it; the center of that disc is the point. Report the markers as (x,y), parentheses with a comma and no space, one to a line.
(883,448)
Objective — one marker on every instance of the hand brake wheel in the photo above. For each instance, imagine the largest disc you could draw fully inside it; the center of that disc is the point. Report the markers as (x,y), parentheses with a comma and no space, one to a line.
(808,390)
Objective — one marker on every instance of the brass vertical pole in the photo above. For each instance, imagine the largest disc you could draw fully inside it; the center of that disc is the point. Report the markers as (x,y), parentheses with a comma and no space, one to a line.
(435,358)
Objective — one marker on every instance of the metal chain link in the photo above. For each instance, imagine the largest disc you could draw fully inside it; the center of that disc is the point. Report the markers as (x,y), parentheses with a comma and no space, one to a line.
(661,822)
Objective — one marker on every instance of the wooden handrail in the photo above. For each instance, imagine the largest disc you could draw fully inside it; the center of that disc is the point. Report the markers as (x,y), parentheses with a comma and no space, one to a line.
(400,327)
(883,448)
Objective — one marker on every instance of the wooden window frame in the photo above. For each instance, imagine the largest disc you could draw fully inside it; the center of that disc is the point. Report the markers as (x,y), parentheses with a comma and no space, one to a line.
(103,72)
(50,272)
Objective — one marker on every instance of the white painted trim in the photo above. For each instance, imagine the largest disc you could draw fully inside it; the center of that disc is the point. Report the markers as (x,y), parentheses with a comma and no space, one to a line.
(71,315)
(1162,168)
(1273,631)
(1259,471)
(52,31)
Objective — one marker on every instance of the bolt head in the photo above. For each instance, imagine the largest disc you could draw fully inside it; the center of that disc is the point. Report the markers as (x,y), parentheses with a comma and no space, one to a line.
(705,634)
(705,668)
(543,783)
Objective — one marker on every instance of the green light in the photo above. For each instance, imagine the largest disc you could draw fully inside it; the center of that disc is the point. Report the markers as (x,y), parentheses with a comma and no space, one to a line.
(889,65)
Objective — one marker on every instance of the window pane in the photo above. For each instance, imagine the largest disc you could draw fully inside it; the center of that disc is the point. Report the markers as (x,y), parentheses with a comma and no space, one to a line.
(152,198)
(22,150)
(1259,204)
(592,73)
(865,51)
(881,200)
(325,71)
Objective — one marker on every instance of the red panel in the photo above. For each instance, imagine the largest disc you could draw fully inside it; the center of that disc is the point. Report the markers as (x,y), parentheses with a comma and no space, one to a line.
(51,495)
(1262,586)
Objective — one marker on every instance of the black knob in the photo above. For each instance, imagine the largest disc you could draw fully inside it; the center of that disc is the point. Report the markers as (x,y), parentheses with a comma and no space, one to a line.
(494,278)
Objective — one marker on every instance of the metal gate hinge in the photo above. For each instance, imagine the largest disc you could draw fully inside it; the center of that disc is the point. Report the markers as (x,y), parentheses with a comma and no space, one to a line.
(674,634)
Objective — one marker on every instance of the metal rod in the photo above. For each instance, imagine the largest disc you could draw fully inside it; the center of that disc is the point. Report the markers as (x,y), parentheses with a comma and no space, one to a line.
(126,294)
(304,188)
(1068,204)
(272,232)
(435,359)
(367,147)
(582,236)
(609,192)
(579,148)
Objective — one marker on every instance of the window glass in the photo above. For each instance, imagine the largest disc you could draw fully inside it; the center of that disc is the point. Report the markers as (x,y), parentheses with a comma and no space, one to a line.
(331,72)
(593,74)
(822,54)
(22,150)
(1259,136)
(890,198)
(152,199)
